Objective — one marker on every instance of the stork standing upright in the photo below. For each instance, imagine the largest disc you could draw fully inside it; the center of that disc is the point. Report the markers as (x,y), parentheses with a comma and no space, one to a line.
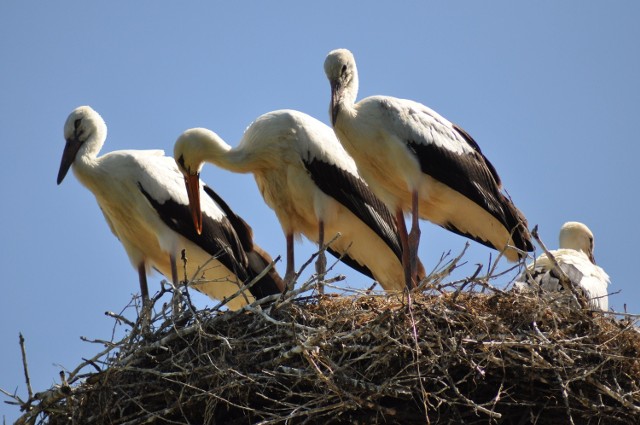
(575,258)
(141,194)
(313,186)
(416,161)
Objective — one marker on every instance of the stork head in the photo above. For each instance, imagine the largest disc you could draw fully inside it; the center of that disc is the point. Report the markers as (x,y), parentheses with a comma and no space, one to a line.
(85,131)
(190,151)
(340,68)
(575,235)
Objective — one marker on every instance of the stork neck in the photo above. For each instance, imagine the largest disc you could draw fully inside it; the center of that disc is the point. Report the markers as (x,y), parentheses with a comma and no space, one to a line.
(236,159)
(350,92)
(346,103)
(86,164)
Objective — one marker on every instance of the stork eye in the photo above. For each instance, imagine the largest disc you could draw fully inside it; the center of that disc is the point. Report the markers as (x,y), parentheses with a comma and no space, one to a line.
(76,123)
(344,69)
(181,162)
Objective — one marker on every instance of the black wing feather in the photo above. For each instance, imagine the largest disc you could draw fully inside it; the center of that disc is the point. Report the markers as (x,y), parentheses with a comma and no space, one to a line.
(473,176)
(242,228)
(471,141)
(351,263)
(217,239)
(354,194)
(258,260)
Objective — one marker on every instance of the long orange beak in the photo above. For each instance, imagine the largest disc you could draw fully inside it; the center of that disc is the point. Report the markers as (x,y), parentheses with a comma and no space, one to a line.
(193,191)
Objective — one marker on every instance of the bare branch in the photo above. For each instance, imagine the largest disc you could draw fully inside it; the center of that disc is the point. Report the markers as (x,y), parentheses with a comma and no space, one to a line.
(460,351)
(25,367)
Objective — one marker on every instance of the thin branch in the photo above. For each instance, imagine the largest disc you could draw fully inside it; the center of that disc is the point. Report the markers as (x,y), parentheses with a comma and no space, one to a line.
(25,367)
(365,357)
(564,279)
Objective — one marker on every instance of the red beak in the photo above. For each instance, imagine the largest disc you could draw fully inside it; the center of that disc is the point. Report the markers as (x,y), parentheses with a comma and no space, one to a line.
(193,191)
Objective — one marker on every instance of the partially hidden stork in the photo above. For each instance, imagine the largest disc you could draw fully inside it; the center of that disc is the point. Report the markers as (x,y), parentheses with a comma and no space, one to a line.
(575,258)
(142,197)
(311,183)
(418,162)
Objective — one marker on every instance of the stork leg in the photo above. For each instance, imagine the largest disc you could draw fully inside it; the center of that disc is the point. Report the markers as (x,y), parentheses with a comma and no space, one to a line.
(404,242)
(144,293)
(321,262)
(290,273)
(414,238)
(176,286)
(144,289)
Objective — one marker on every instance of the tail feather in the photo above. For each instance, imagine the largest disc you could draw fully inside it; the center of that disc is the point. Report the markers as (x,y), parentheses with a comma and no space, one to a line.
(269,284)
(517,225)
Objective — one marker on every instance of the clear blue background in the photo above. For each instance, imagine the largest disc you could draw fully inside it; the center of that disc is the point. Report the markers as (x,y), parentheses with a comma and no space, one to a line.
(550,91)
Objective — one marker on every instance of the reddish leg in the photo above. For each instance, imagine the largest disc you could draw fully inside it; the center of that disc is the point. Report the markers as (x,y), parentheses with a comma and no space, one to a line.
(176,285)
(144,292)
(290,272)
(404,242)
(414,238)
(321,262)
(144,289)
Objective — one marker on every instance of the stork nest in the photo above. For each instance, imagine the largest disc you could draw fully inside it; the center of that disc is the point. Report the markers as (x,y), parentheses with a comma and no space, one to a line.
(460,352)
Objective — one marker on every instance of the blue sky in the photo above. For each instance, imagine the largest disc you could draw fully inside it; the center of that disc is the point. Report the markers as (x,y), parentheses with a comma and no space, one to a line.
(549,90)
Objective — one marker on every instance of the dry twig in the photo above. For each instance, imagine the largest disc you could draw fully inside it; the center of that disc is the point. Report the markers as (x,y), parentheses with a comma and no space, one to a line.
(457,357)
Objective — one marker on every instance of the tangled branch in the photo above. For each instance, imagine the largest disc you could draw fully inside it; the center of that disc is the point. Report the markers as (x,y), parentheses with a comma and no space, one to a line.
(447,354)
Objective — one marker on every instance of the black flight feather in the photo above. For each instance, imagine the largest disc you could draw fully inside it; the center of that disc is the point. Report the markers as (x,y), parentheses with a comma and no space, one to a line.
(351,263)
(354,194)
(258,260)
(473,176)
(217,239)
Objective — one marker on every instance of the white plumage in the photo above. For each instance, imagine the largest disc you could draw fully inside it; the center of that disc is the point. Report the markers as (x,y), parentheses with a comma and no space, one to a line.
(313,186)
(416,161)
(142,196)
(575,257)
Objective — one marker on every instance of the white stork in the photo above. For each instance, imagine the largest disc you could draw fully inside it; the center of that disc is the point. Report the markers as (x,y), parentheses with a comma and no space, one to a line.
(575,258)
(313,186)
(141,194)
(416,161)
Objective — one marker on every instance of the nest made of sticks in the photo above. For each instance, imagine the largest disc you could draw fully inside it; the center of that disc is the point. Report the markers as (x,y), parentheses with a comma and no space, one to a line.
(448,353)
